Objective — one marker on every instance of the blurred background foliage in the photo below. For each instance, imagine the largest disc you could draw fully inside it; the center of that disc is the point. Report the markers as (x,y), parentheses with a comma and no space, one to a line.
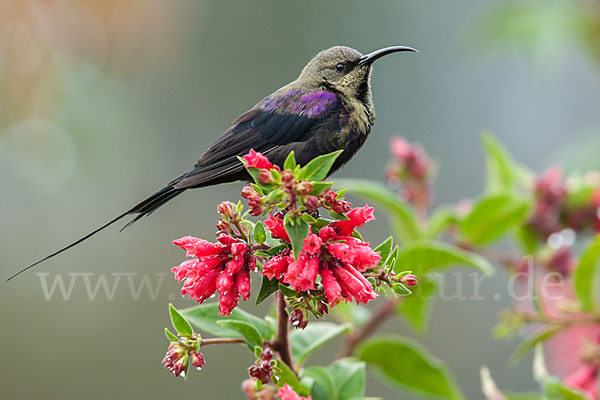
(102,102)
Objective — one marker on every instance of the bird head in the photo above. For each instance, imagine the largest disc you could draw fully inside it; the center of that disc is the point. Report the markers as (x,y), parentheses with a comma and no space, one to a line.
(345,70)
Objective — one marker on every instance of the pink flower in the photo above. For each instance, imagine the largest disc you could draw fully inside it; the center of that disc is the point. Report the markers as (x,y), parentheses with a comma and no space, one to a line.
(585,379)
(302,274)
(275,267)
(357,218)
(223,267)
(338,259)
(312,244)
(287,393)
(275,225)
(399,147)
(409,280)
(257,160)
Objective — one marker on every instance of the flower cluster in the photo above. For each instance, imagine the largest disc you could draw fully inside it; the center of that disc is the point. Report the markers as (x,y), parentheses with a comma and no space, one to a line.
(334,255)
(181,354)
(263,368)
(223,267)
(411,169)
(284,187)
(560,206)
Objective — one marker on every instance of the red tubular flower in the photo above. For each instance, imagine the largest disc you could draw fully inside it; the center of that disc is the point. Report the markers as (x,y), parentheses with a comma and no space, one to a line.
(257,160)
(275,267)
(223,267)
(357,218)
(585,379)
(275,225)
(312,244)
(338,258)
(333,290)
(287,393)
(354,284)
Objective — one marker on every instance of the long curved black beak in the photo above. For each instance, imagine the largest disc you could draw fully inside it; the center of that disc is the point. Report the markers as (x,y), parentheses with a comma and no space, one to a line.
(369,58)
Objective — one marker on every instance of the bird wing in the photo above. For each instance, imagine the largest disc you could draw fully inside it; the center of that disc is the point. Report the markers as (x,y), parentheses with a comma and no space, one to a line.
(277,120)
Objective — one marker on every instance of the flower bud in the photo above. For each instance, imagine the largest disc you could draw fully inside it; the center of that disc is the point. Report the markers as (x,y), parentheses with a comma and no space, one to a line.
(322,308)
(312,202)
(409,280)
(305,187)
(197,359)
(226,209)
(298,319)
(267,354)
(265,176)
(287,176)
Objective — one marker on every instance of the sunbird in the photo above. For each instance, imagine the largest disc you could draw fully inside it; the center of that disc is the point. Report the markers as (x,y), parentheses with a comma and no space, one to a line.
(329,107)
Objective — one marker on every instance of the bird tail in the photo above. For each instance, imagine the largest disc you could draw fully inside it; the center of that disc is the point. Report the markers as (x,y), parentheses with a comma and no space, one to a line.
(142,209)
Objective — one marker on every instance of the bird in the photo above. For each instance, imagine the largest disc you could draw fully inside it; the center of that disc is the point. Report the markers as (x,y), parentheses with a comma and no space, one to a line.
(329,107)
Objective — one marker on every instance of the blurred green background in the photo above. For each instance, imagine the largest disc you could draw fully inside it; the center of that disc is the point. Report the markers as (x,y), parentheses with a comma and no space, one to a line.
(102,102)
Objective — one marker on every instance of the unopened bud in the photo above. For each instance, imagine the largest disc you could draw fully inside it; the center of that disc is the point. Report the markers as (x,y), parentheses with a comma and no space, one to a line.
(305,187)
(265,176)
(226,209)
(298,320)
(312,202)
(287,176)
(197,359)
(409,280)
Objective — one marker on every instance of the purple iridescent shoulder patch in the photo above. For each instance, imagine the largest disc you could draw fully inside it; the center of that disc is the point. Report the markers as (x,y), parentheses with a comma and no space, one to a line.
(311,105)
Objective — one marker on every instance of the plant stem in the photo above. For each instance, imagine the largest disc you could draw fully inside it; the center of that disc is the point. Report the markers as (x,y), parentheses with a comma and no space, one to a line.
(282,344)
(376,320)
(209,341)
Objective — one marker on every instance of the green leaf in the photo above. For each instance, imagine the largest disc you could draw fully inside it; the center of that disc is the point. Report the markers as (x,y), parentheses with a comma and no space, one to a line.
(180,324)
(585,275)
(249,333)
(416,308)
(305,341)
(409,366)
(260,235)
(425,256)
(439,221)
(287,291)
(384,250)
(171,336)
(283,375)
(350,378)
(501,170)
(492,216)
(527,238)
(358,315)
(531,342)
(402,217)
(267,288)
(319,167)
(205,317)
(320,187)
(298,230)
(290,161)
(323,385)
(401,290)
(554,389)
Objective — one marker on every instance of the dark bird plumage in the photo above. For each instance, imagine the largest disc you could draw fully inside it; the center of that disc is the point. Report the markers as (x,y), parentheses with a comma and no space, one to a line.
(327,108)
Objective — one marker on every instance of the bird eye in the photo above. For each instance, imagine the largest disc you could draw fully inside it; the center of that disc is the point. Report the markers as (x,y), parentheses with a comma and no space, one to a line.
(340,67)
